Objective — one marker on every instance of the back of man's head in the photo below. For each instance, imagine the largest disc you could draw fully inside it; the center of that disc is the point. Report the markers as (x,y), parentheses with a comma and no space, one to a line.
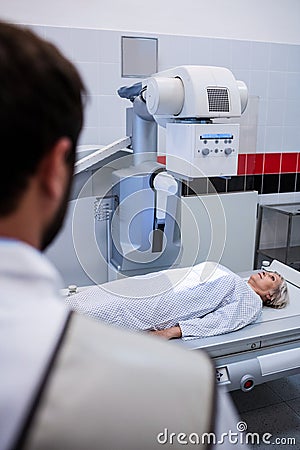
(41,101)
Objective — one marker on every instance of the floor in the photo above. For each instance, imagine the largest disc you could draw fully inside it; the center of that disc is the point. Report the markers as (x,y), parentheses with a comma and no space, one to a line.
(273,408)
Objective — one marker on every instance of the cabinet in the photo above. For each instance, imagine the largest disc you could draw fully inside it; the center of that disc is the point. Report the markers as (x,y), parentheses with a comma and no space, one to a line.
(220,228)
(278,235)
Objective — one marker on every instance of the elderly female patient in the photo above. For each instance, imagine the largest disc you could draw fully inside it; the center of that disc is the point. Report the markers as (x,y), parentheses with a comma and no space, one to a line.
(205,300)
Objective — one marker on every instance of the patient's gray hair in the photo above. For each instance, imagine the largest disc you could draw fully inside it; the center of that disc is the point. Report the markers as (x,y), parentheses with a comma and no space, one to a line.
(280,296)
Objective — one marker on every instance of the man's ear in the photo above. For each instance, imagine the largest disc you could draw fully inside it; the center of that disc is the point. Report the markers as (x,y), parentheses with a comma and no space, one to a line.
(54,171)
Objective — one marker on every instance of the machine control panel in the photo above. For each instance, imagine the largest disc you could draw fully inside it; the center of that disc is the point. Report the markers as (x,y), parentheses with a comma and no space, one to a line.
(200,150)
(245,382)
(216,144)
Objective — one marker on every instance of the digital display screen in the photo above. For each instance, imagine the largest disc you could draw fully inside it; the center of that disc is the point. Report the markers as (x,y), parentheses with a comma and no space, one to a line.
(216,136)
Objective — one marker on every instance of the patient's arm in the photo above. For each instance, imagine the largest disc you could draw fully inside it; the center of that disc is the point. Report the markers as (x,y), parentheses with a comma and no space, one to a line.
(168,333)
(229,317)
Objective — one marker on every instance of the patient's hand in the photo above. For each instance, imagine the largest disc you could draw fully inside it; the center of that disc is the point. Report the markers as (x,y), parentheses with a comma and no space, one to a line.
(168,333)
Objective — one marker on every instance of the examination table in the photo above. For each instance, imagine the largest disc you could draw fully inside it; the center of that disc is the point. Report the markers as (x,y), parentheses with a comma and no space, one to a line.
(264,351)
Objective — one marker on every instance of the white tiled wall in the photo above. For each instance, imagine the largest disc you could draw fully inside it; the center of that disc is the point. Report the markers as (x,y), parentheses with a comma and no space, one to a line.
(271,71)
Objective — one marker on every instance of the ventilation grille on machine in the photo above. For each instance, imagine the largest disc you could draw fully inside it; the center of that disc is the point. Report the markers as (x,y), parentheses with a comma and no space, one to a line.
(218,99)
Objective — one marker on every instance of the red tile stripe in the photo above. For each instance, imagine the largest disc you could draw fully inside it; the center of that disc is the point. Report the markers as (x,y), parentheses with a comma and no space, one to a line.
(268,163)
(161,160)
(262,163)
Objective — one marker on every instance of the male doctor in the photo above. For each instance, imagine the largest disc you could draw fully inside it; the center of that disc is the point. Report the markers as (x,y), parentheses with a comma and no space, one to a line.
(68,382)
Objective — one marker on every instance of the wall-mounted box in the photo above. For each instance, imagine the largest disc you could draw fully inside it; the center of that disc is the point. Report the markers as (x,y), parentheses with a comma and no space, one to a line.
(139,56)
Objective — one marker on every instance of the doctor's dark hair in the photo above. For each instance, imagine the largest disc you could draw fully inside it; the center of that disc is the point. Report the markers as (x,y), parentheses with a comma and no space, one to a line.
(40,102)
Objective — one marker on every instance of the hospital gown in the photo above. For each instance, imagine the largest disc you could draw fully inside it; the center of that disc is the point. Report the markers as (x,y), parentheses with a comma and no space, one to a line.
(205,300)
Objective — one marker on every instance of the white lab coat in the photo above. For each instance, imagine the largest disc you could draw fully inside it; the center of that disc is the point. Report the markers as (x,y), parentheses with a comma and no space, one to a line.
(31,320)
(108,388)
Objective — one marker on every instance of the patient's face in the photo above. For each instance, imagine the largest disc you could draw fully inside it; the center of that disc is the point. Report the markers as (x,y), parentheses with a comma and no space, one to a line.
(264,282)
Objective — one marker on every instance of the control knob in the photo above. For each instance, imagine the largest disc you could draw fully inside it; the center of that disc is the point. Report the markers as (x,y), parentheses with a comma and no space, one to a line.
(205,151)
(228,150)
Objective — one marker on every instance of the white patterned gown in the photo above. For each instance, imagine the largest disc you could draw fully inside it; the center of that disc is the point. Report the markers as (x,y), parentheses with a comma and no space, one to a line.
(205,300)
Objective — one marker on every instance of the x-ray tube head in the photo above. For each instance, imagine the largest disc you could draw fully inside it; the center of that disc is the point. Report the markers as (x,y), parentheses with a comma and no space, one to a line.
(164,96)
(195,92)
(187,100)
(243,94)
